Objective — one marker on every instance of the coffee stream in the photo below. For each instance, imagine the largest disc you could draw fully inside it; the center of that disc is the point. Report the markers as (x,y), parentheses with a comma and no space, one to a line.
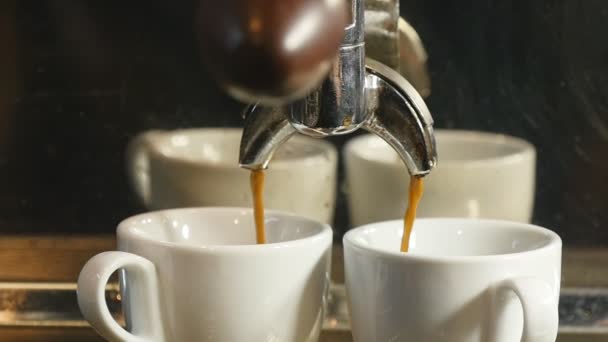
(257,189)
(416,189)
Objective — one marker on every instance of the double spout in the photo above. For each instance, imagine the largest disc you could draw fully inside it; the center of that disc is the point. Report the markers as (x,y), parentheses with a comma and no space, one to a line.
(357,93)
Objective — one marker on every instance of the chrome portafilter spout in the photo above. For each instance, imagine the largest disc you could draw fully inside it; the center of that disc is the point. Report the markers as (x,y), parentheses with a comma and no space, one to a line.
(398,114)
(357,93)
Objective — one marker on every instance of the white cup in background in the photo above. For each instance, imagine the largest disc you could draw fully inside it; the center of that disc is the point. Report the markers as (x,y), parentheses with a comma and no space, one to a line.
(483,175)
(199,167)
(196,274)
(464,280)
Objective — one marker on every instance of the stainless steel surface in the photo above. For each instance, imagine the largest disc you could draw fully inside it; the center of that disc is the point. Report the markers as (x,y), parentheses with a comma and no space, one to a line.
(583,315)
(48,305)
(398,115)
(583,311)
(265,129)
(354,32)
(580,310)
(338,106)
(354,95)
(381,34)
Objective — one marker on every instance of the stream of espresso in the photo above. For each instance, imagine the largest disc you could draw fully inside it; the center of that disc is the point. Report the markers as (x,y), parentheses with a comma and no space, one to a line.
(415,194)
(257,189)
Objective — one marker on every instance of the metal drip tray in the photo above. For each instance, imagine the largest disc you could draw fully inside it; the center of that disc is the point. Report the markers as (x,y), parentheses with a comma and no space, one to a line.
(580,309)
(583,312)
(48,305)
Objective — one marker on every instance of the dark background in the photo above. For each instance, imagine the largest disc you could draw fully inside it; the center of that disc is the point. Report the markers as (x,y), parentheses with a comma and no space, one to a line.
(79,79)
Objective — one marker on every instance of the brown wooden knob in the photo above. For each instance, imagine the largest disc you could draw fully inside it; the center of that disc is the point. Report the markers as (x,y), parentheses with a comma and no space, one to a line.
(271,51)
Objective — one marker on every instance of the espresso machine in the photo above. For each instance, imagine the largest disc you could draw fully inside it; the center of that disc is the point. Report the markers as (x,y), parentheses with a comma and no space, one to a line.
(356,93)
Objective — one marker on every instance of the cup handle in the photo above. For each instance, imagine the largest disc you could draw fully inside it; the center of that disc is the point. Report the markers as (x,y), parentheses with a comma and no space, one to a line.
(138,165)
(538,304)
(146,324)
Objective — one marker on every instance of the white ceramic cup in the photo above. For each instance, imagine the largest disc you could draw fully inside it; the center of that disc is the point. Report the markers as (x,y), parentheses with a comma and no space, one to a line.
(464,280)
(199,167)
(196,274)
(478,175)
